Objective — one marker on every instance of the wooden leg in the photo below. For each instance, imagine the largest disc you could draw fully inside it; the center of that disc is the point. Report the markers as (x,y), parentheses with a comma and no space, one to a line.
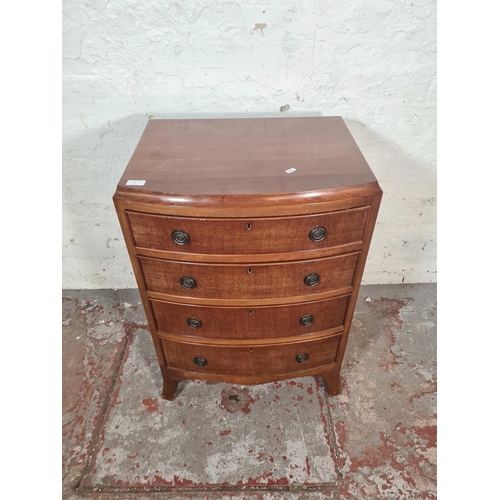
(332,380)
(169,387)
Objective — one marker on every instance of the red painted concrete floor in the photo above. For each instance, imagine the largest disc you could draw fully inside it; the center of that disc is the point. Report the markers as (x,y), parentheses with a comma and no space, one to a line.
(285,440)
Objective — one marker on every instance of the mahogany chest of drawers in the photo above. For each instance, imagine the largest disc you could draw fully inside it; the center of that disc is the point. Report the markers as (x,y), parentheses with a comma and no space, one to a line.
(248,239)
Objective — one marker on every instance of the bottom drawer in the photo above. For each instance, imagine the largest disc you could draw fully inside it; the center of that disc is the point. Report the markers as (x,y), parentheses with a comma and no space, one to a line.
(251,359)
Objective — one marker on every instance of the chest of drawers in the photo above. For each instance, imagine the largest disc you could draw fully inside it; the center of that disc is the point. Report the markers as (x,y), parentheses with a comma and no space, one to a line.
(248,239)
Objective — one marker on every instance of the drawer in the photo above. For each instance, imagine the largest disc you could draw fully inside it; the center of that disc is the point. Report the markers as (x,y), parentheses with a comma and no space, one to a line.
(248,236)
(250,323)
(255,359)
(226,281)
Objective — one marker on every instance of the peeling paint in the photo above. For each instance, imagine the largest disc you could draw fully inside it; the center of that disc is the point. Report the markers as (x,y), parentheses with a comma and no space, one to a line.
(385,423)
(235,399)
(260,26)
(377,439)
(151,404)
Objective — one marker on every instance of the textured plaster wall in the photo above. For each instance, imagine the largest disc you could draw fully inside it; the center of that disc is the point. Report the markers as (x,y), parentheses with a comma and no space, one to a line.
(372,62)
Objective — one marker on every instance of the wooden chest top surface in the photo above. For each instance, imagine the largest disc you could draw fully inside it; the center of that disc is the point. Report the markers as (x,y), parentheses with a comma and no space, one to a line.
(247,156)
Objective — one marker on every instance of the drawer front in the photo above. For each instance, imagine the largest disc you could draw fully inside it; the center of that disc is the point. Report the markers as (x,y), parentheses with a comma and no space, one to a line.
(249,281)
(250,323)
(248,236)
(251,359)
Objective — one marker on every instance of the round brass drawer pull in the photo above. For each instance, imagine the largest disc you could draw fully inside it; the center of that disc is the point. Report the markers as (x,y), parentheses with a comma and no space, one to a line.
(311,279)
(200,361)
(318,234)
(307,320)
(302,357)
(194,323)
(180,237)
(187,282)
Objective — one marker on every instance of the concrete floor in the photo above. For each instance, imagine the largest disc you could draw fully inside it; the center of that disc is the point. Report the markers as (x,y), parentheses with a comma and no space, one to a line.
(286,440)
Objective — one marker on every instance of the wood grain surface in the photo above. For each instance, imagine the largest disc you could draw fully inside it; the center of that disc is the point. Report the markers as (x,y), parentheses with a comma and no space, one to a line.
(246,156)
(252,281)
(254,358)
(248,236)
(249,323)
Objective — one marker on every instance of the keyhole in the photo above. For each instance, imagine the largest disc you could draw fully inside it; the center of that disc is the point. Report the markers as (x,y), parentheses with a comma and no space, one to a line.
(250,312)
(251,350)
(234,397)
(249,226)
(249,270)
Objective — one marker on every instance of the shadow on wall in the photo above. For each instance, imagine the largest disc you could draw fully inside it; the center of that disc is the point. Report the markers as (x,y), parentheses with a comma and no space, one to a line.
(94,253)
(404,244)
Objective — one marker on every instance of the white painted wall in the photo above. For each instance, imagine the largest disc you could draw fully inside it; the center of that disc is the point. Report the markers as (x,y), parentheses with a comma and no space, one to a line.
(372,62)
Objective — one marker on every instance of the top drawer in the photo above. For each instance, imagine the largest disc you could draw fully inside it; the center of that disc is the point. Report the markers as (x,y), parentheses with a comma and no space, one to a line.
(248,236)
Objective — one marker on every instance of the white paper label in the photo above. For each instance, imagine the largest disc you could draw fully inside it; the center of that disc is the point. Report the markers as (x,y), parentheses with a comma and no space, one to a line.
(290,170)
(135,183)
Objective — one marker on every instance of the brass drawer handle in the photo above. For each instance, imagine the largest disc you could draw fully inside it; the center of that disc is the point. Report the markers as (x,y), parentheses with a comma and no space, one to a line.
(200,361)
(194,323)
(311,279)
(318,234)
(180,237)
(188,283)
(302,357)
(307,320)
